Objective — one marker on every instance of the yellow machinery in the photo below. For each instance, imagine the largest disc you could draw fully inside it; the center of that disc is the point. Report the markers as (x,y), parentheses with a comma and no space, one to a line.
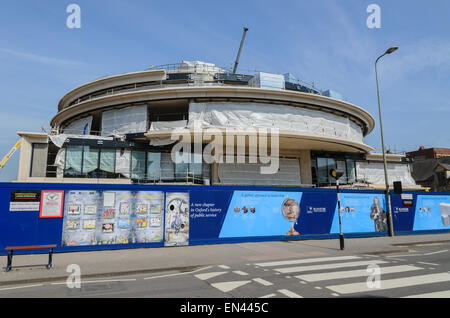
(10,153)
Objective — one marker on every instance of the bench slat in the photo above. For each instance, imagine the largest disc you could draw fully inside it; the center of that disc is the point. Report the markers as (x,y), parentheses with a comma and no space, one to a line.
(32,247)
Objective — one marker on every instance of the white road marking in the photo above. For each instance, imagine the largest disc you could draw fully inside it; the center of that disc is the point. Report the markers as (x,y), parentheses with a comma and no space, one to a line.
(441,294)
(326,266)
(391,283)
(178,274)
(289,293)
(19,287)
(206,276)
(355,273)
(224,266)
(262,281)
(99,281)
(403,255)
(308,260)
(432,253)
(425,263)
(268,296)
(229,286)
(240,273)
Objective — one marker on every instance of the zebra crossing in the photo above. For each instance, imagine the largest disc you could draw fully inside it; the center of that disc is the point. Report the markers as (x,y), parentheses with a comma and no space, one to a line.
(347,276)
(333,272)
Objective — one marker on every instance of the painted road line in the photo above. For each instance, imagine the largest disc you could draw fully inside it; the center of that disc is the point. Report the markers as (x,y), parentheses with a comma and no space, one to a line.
(206,276)
(441,294)
(289,293)
(240,273)
(229,286)
(432,253)
(262,281)
(268,296)
(224,266)
(327,266)
(99,281)
(20,287)
(308,260)
(391,283)
(178,274)
(355,273)
(425,263)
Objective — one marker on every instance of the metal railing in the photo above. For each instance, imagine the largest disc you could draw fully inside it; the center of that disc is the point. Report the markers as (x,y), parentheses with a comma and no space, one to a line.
(198,69)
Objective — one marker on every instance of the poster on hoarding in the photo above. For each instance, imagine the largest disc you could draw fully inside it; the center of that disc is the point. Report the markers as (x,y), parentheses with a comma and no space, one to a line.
(25,200)
(177,219)
(112,217)
(432,212)
(361,212)
(262,213)
(51,203)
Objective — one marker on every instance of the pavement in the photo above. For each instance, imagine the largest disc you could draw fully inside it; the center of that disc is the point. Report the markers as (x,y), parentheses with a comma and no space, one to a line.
(113,263)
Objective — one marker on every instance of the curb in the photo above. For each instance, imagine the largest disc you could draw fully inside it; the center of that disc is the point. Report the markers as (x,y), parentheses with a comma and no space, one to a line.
(98,275)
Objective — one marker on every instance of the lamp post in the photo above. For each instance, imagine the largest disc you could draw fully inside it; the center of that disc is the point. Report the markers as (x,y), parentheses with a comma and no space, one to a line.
(388,197)
(336,175)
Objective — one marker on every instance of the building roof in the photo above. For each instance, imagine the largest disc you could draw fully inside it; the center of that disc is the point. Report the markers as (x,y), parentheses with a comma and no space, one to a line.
(446,166)
(429,153)
(423,170)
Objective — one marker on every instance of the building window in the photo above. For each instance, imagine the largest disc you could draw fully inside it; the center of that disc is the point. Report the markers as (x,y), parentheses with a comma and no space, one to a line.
(39,160)
(90,162)
(138,164)
(324,165)
(188,166)
(351,171)
(73,161)
(107,164)
(154,166)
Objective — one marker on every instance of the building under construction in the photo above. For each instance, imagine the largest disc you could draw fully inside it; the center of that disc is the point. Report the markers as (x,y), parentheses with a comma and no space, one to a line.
(118,129)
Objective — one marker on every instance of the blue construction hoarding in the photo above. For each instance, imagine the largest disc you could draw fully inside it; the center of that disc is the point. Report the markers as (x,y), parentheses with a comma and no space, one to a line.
(80,217)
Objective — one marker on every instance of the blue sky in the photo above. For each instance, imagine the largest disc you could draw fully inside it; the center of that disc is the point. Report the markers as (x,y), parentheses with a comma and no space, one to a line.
(322,41)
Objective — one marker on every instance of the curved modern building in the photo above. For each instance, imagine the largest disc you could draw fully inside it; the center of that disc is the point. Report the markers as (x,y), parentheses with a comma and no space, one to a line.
(127,128)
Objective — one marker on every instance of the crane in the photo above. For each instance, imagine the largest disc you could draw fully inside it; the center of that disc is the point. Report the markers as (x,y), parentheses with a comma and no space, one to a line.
(10,153)
(239,52)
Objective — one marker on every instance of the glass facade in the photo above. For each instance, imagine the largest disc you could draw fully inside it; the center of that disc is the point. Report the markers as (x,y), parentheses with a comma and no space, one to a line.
(325,164)
(142,165)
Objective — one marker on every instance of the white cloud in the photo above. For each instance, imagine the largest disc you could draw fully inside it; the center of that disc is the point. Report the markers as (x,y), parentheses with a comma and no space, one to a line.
(43,59)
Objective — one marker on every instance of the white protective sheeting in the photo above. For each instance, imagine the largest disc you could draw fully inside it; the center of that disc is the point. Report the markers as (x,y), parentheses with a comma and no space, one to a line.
(250,173)
(80,126)
(129,120)
(373,172)
(165,125)
(285,118)
(123,162)
(59,162)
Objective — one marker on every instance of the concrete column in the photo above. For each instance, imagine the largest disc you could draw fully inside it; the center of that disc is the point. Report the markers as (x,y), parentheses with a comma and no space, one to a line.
(305,166)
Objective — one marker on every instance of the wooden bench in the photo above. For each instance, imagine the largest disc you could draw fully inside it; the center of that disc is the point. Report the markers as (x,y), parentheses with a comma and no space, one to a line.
(10,249)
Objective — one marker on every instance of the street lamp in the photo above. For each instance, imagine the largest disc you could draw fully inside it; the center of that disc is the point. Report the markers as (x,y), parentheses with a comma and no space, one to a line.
(388,198)
(336,175)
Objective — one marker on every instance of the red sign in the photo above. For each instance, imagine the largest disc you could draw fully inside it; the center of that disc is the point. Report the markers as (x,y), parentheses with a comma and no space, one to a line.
(51,204)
